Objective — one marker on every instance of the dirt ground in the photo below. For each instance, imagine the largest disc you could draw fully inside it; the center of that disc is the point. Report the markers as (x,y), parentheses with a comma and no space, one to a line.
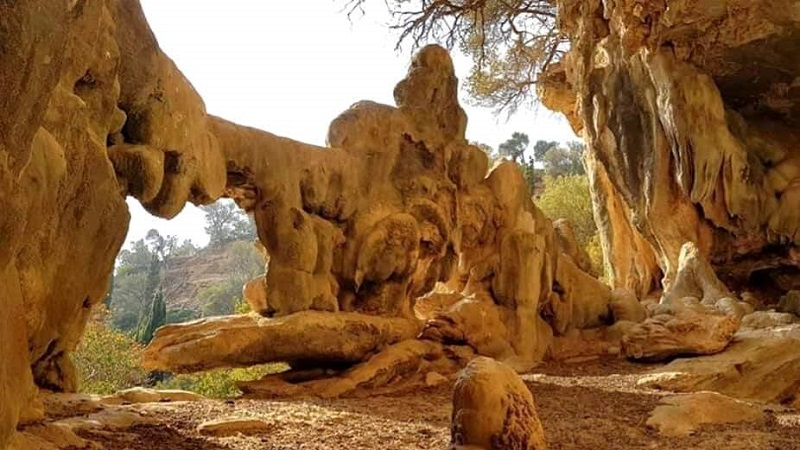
(591,405)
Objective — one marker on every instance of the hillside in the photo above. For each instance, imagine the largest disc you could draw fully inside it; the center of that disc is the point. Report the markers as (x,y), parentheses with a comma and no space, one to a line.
(186,276)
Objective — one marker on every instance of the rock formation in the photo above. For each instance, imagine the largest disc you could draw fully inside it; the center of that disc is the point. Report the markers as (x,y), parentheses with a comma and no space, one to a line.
(358,231)
(697,315)
(93,112)
(493,409)
(760,365)
(689,113)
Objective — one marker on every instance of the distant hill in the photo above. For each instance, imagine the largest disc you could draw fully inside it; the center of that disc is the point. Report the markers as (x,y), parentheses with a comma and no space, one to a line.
(186,276)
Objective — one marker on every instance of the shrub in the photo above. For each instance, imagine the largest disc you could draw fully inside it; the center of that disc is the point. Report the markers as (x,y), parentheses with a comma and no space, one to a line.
(107,360)
(568,198)
(219,383)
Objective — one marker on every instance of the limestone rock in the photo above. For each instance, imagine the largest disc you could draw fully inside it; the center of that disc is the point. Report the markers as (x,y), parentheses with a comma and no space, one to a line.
(255,293)
(94,78)
(790,303)
(144,395)
(665,336)
(63,404)
(625,306)
(664,94)
(234,426)
(434,379)
(410,364)
(310,336)
(760,365)
(50,436)
(768,319)
(680,415)
(116,419)
(492,408)
(569,245)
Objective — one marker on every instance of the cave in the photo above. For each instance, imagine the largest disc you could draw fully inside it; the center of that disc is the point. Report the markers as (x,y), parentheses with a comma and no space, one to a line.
(401,263)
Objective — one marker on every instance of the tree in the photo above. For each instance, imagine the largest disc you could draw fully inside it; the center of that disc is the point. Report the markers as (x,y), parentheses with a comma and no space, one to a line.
(156,318)
(562,161)
(540,148)
(226,223)
(514,147)
(509,41)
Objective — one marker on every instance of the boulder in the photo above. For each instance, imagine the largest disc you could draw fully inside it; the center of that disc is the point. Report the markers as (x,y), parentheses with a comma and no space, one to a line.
(790,303)
(625,306)
(493,409)
(761,366)
(681,415)
(768,319)
(666,336)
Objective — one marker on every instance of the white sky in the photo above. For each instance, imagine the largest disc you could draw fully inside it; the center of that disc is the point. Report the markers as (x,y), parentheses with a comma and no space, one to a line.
(290,67)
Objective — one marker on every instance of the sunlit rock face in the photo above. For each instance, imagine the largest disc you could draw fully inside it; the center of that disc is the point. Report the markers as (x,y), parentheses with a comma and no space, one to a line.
(689,110)
(91,111)
(356,232)
(397,202)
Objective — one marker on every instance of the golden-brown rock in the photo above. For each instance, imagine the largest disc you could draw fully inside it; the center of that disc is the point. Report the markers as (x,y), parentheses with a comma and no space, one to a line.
(493,409)
(688,109)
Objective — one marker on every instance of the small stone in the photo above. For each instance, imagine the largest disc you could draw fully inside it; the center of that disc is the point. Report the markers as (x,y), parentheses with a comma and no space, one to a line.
(232,427)
(434,379)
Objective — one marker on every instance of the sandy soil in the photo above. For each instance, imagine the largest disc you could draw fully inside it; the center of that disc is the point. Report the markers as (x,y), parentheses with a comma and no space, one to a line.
(591,405)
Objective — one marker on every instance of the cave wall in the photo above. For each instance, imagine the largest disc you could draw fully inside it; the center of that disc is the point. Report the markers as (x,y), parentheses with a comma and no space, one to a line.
(93,112)
(689,110)
(83,99)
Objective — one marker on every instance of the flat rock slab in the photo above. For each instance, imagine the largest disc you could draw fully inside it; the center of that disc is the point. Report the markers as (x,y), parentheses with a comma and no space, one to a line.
(245,340)
(762,366)
(232,427)
(114,419)
(681,415)
(144,395)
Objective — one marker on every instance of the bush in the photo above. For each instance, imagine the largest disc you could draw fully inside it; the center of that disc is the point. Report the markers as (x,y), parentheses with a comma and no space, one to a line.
(219,383)
(568,198)
(107,360)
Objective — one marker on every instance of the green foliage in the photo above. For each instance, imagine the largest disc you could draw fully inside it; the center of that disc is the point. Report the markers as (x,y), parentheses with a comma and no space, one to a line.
(595,251)
(220,383)
(221,298)
(107,360)
(226,223)
(181,315)
(514,147)
(568,198)
(156,317)
(561,161)
(540,148)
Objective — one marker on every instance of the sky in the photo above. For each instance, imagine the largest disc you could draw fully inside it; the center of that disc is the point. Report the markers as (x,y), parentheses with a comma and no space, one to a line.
(292,66)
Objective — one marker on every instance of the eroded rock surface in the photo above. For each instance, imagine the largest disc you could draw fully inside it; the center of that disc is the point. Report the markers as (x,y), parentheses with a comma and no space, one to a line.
(687,321)
(397,202)
(92,111)
(493,409)
(689,110)
(760,365)
(680,415)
